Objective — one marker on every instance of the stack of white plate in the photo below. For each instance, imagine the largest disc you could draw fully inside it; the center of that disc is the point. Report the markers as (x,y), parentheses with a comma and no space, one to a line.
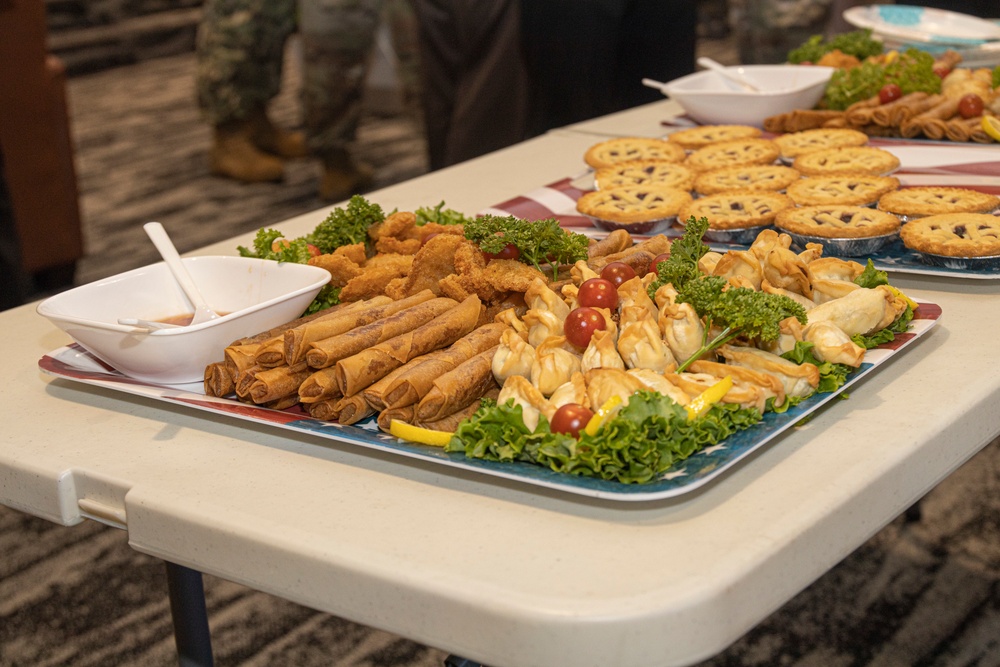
(932,30)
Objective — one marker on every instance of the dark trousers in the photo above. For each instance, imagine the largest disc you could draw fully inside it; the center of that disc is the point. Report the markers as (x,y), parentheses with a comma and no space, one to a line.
(14,282)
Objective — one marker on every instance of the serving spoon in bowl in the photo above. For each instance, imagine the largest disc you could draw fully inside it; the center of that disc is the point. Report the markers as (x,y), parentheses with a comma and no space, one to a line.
(158,235)
(736,77)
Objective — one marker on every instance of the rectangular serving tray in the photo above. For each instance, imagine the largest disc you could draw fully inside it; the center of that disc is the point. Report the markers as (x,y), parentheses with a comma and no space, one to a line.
(75,364)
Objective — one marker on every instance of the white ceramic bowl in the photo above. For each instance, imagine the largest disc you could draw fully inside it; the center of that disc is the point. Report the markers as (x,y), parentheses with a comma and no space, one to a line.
(252,295)
(711,99)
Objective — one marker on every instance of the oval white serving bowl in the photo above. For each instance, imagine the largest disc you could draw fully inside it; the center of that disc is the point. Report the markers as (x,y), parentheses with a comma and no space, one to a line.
(253,295)
(710,99)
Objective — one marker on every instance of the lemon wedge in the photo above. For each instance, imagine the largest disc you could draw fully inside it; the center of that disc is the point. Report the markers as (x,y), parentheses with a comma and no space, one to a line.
(424,436)
(706,399)
(910,302)
(603,414)
(991,126)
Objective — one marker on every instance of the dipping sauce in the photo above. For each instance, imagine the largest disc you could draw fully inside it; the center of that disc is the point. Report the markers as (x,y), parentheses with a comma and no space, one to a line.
(182,320)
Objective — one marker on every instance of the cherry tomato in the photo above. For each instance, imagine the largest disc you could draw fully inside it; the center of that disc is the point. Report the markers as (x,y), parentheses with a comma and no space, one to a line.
(580,325)
(806,62)
(618,273)
(889,93)
(278,244)
(598,293)
(509,251)
(656,260)
(970,106)
(570,419)
(942,71)
(313,250)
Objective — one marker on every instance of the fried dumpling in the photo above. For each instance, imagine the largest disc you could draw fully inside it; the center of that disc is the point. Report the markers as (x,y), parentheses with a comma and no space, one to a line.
(665,295)
(553,368)
(540,297)
(740,264)
(808,304)
(603,383)
(682,329)
(509,317)
(861,311)
(657,382)
(514,357)
(832,278)
(798,380)
(601,353)
(831,344)
(744,395)
(632,292)
(573,390)
(532,403)
(708,262)
(742,376)
(783,268)
(641,345)
(541,324)
(581,271)
(812,252)
(766,241)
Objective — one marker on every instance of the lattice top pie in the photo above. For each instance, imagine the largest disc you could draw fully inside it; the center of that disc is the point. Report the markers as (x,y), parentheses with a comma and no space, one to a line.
(954,235)
(633,203)
(769,177)
(846,160)
(853,190)
(699,137)
(627,149)
(645,172)
(736,210)
(837,222)
(733,154)
(795,144)
(921,201)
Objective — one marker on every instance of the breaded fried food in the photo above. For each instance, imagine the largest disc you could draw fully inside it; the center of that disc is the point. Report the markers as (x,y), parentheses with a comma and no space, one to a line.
(399,224)
(341,267)
(402,262)
(374,278)
(501,276)
(434,261)
(469,258)
(356,252)
(397,245)
(424,231)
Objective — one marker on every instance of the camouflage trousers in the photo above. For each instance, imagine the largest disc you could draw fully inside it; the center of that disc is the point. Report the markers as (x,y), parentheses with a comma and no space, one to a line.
(241,47)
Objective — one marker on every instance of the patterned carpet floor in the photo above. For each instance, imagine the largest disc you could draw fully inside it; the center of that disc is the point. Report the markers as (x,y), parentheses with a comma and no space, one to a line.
(922,593)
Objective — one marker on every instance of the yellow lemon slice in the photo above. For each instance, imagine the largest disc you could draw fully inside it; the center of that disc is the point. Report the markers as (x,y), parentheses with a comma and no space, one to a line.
(991,126)
(706,399)
(424,436)
(603,414)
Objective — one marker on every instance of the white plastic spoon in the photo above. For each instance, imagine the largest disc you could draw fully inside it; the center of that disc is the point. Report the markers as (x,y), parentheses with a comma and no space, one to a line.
(732,75)
(158,235)
(148,325)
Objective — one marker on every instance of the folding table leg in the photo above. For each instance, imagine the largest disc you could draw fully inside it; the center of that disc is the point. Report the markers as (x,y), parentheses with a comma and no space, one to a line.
(187,607)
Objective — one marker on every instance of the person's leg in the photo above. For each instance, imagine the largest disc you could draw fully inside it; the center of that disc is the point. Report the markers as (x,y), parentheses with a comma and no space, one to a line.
(240,49)
(15,280)
(658,42)
(337,38)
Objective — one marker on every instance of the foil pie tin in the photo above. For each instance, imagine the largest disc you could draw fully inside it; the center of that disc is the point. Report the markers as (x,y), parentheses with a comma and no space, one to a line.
(844,247)
(949,262)
(742,236)
(648,227)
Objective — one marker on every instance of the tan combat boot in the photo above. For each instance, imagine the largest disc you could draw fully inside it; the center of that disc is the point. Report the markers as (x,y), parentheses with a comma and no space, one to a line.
(235,156)
(343,177)
(270,138)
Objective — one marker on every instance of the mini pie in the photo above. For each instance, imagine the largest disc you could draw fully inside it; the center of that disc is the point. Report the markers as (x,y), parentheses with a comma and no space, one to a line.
(795,144)
(736,210)
(627,149)
(837,222)
(699,137)
(633,203)
(769,177)
(846,160)
(733,154)
(954,235)
(644,172)
(920,201)
(849,190)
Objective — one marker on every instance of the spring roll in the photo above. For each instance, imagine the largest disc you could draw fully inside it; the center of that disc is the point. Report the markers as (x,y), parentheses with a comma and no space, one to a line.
(363,369)
(883,113)
(323,410)
(451,422)
(456,389)
(959,129)
(271,353)
(238,358)
(353,409)
(410,386)
(903,113)
(280,329)
(282,403)
(810,119)
(320,386)
(327,352)
(403,413)
(270,384)
(297,339)
(244,380)
(860,113)
(979,135)
(375,393)
(218,381)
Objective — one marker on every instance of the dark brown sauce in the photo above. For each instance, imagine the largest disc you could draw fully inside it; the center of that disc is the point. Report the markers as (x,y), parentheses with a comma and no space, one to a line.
(181,320)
